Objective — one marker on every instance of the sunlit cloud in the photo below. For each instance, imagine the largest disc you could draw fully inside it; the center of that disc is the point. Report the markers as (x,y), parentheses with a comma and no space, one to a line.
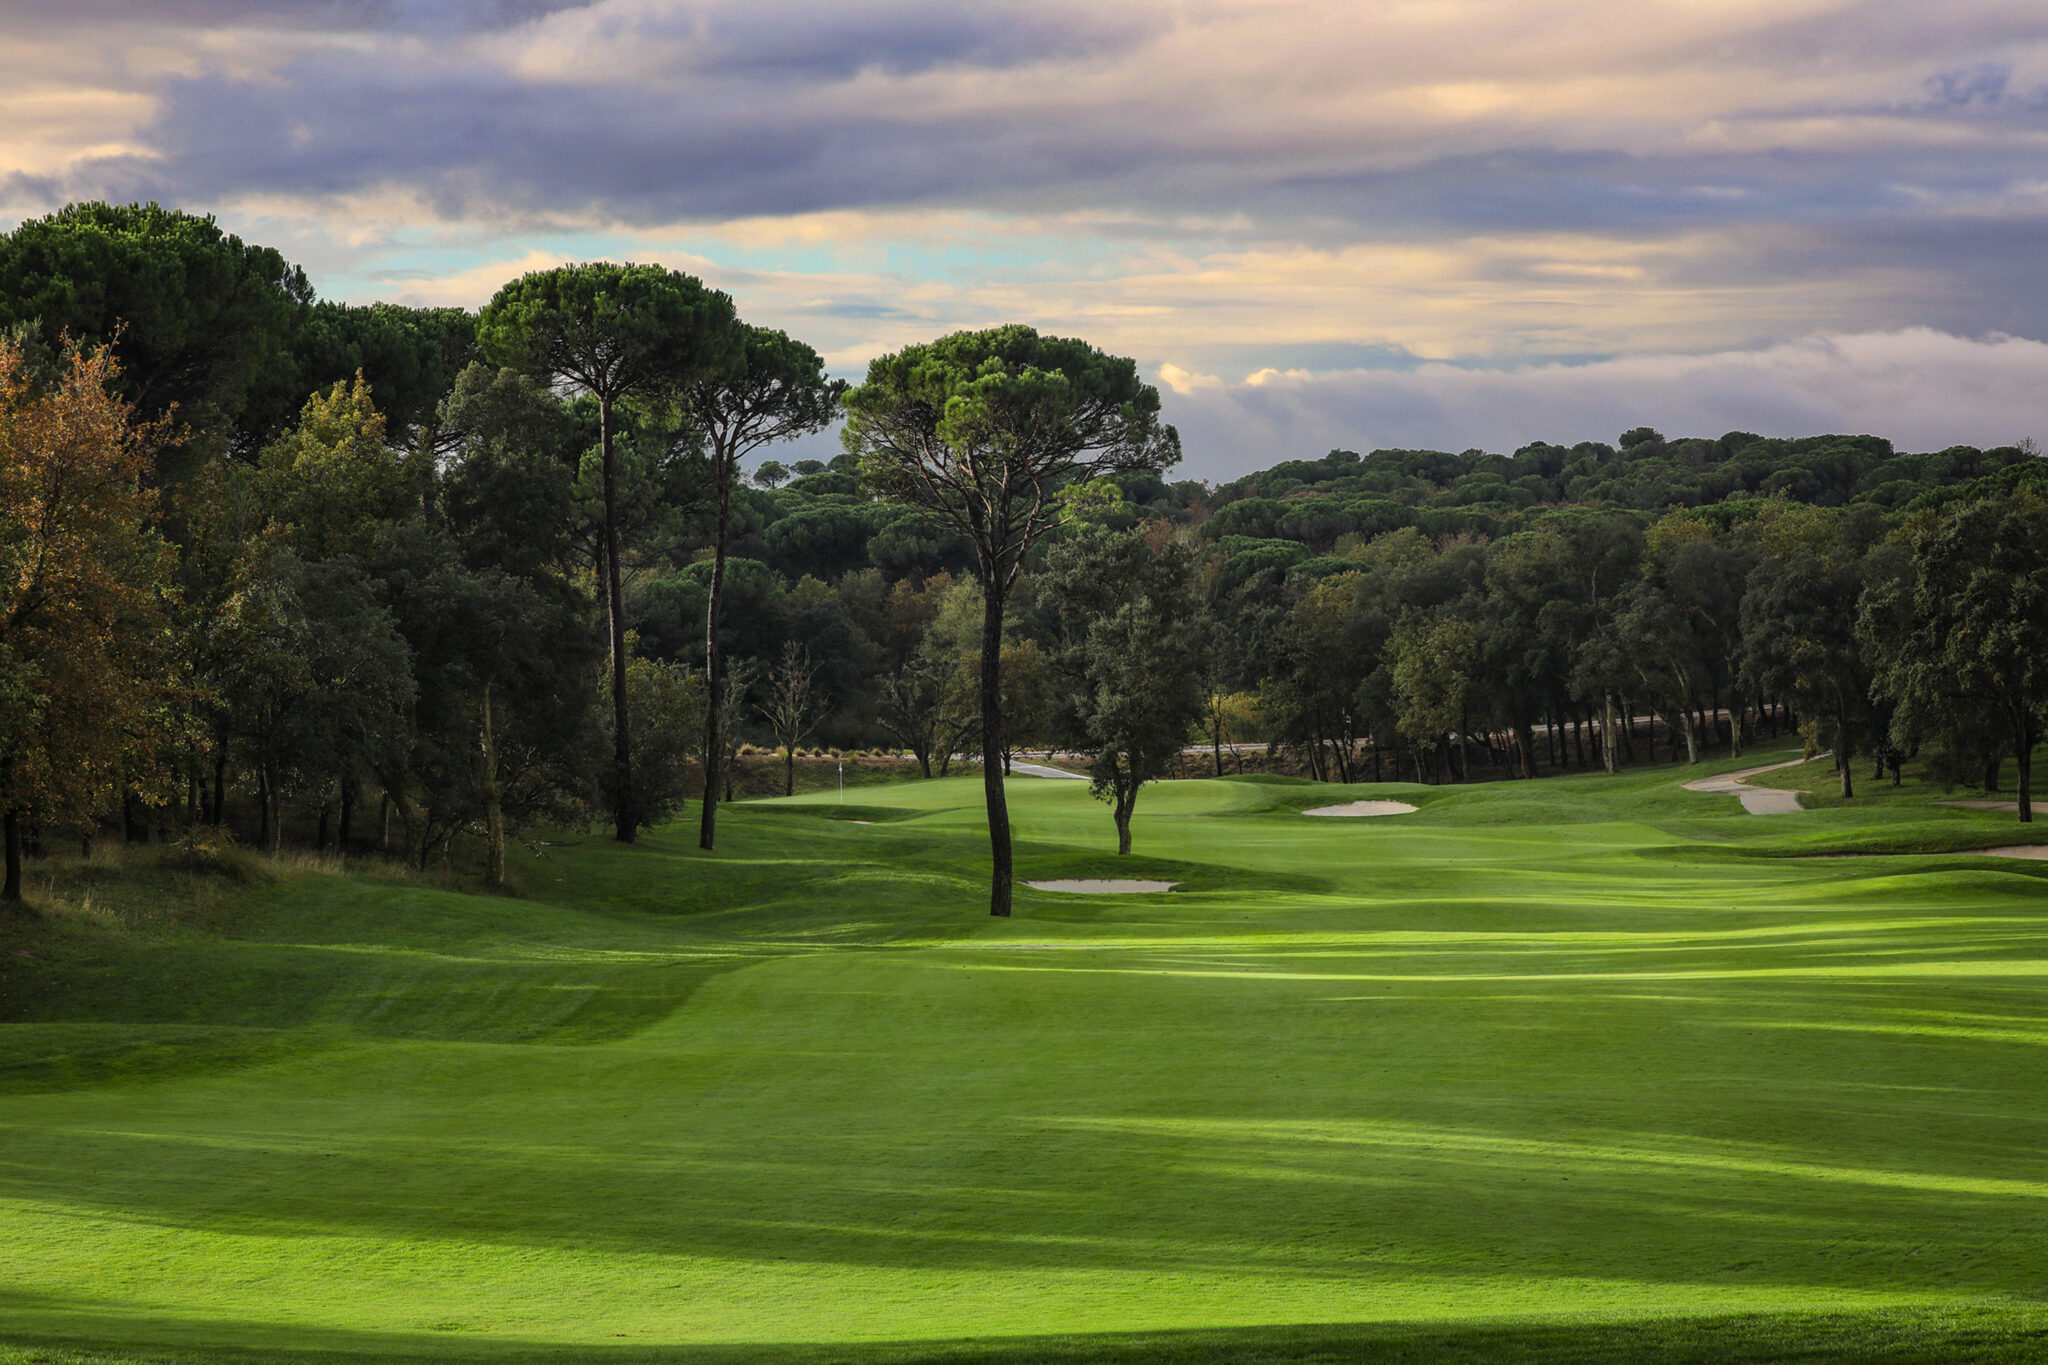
(1315,190)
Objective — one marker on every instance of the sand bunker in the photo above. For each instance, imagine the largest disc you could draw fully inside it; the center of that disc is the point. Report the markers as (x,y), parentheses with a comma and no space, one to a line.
(1365,808)
(1104,887)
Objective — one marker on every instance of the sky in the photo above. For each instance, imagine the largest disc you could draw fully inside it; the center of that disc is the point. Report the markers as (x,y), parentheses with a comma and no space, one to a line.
(1313,223)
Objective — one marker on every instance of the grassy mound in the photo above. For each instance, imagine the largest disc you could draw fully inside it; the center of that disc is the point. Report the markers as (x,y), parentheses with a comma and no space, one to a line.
(1540,1072)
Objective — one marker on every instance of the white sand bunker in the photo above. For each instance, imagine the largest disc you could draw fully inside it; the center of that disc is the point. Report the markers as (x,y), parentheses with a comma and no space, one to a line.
(1365,808)
(1104,887)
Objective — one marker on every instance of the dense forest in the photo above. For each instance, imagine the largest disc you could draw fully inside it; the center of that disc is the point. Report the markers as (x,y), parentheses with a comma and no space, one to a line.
(427,580)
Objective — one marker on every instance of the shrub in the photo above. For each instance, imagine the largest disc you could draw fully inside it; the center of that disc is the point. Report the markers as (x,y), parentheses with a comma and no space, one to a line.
(211,852)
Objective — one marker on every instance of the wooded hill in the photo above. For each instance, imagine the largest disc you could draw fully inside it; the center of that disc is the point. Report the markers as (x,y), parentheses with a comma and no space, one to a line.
(279,562)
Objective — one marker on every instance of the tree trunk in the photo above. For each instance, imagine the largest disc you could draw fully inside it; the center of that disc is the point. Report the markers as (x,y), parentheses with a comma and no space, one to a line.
(134,826)
(992,741)
(494,808)
(714,659)
(1842,752)
(1607,723)
(10,888)
(1216,731)
(273,810)
(263,806)
(2025,741)
(625,815)
(1692,734)
(1126,802)
(789,770)
(344,831)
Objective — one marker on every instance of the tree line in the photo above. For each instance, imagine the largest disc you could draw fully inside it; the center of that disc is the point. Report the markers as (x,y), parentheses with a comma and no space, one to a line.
(463,575)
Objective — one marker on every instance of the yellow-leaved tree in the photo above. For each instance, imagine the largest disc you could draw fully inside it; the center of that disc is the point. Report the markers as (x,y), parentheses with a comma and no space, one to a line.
(82,588)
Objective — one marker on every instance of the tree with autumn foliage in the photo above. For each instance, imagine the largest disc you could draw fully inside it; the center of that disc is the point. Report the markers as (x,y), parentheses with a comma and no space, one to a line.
(82,587)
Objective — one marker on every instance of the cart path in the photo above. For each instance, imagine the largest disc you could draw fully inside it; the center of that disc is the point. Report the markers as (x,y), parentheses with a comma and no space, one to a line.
(1755,800)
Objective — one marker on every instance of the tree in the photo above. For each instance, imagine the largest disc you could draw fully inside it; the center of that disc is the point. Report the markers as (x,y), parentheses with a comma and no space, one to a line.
(1975,622)
(739,686)
(1656,638)
(201,321)
(617,333)
(81,595)
(1799,624)
(1028,699)
(410,356)
(771,474)
(1135,668)
(668,725)
(1323,650)
(985,430)
(332,483)
(508,492)
(1430,661)
(320,683)
(792,710)
(775,390)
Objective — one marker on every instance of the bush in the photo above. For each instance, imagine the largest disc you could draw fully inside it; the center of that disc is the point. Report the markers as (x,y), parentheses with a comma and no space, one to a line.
(210,852)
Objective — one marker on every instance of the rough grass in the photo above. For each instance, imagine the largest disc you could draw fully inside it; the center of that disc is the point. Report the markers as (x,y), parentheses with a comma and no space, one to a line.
(1553,1071)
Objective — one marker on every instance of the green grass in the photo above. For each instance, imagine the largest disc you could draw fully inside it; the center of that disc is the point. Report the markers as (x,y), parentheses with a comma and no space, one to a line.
(1581,1069)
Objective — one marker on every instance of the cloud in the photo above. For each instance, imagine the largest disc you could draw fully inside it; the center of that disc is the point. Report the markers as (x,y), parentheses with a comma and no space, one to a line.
(643,111)
(1374,207)
(1922,389)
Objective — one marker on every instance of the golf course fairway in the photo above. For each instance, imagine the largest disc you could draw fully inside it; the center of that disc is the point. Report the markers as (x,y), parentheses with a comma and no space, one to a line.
(1584,1068)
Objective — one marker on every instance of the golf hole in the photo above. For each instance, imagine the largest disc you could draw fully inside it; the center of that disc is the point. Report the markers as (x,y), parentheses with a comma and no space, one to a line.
(1365,808)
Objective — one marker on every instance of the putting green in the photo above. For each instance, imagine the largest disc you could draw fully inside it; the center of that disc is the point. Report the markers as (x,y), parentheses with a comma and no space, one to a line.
(1562,1062)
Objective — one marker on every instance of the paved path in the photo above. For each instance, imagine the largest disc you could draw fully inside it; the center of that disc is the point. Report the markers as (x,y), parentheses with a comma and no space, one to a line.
(1755,800)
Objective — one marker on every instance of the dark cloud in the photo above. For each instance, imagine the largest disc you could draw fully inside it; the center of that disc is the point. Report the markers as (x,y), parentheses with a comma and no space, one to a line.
(797,38)
(1907,187)
(335,16)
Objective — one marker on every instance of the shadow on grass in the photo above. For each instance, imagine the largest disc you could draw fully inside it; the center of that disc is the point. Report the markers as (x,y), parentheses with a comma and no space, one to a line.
(1992,1334)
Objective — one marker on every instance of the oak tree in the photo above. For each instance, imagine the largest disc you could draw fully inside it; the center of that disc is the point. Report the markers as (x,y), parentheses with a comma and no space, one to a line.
(82,595)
